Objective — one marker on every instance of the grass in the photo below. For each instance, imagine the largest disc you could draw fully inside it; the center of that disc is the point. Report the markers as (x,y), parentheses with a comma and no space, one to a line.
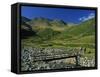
(53,36)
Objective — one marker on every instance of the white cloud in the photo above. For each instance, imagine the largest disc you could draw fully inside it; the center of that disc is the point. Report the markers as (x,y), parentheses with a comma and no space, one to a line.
(90,16)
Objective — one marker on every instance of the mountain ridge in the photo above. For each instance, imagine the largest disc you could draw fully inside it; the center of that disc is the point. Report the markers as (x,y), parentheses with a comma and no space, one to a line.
(44,30)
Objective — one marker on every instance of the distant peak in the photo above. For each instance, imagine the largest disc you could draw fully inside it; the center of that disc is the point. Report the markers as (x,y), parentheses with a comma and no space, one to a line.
(25,19)
(41,19)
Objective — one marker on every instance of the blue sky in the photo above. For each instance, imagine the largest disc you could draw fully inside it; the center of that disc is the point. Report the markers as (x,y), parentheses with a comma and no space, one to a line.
(67,15)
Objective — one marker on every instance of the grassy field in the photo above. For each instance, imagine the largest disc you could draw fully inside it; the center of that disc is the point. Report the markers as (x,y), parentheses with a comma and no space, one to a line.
(60,35)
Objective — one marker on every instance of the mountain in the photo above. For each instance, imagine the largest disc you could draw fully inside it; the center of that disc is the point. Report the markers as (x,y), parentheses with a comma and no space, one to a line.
(46,32)
(82,35)
(57,22)
(25,19)
(40,21)
(26,29)
(46,22)
(24,24)
(84,28)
